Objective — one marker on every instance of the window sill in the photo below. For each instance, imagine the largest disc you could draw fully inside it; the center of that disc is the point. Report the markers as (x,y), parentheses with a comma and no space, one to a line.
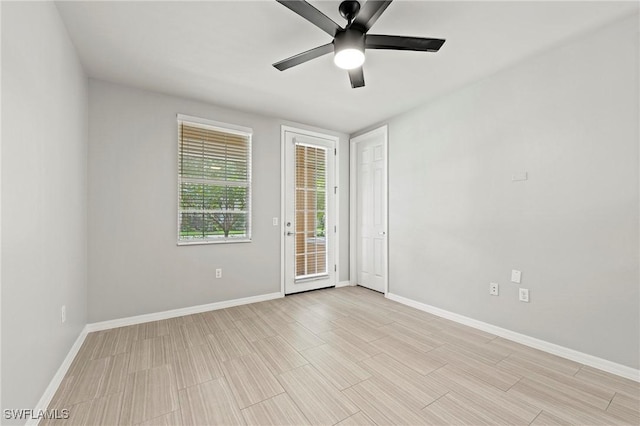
(199,243)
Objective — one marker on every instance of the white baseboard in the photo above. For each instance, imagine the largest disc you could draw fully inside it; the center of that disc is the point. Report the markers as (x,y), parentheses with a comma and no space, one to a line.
(571,354)
(343,284)
(46,398)
(139,319)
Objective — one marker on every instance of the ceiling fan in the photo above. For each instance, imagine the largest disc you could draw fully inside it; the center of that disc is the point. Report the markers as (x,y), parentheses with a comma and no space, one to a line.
(350,42)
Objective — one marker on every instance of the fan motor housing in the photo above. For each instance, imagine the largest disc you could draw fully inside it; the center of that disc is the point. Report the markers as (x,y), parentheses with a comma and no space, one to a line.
(349,39)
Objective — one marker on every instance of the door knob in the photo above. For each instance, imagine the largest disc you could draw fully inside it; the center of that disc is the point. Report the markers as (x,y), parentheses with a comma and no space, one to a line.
(382,233)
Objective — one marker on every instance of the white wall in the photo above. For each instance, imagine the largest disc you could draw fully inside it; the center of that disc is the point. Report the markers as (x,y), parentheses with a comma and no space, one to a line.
(568,117)
(135,266)
(44,194)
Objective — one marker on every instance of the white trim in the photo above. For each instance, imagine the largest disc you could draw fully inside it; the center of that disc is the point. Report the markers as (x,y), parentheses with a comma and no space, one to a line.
(230,240)
(336,213)
(343,284)
(283,189)
(311,133)
(138,319)
(283,207)
(216,125)
(1,214)
(353,201)
(552,348)
(55,382)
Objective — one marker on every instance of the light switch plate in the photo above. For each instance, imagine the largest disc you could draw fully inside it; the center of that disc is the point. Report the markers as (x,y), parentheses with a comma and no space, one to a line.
(516,177)
(516,276)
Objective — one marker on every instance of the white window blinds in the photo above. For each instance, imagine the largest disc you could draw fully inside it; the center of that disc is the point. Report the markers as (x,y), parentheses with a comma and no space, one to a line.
(311,211)
(214,182)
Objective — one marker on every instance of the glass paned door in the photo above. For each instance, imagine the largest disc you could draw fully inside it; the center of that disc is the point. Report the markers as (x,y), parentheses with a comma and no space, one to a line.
(309,225)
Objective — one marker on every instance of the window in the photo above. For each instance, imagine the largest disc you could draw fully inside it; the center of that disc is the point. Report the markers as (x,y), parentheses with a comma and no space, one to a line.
(214,182)
(311,207)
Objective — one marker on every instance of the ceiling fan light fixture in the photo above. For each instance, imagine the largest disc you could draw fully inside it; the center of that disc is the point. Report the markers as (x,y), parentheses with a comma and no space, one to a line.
(348,59)
(349,49)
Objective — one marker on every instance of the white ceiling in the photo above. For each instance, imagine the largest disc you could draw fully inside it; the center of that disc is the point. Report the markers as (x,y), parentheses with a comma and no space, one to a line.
(221,51)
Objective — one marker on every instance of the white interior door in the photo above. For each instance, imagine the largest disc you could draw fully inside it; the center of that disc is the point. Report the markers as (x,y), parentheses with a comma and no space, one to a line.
(369,209)
(309,219)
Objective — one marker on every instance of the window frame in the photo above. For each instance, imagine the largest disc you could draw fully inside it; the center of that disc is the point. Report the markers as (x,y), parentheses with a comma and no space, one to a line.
(220,127)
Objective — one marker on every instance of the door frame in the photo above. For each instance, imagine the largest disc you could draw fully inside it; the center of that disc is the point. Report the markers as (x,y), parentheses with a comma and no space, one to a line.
(353,201)
(335,246)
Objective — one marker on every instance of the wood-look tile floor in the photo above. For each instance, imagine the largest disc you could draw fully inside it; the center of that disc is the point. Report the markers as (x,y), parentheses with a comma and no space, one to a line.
(343,356)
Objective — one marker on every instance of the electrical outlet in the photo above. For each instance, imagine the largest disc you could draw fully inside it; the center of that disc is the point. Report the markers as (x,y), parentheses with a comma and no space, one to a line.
(219,273)
(493,289)
(524,295)
(516,276)
(63,314)
(275,221)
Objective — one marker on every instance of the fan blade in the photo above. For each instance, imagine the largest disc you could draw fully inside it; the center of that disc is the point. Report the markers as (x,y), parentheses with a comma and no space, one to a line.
(312,15)
(304,57)
(403,43)
(369,14)
(356,76)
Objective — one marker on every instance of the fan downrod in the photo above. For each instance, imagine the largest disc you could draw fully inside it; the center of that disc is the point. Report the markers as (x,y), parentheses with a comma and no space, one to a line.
(349,9)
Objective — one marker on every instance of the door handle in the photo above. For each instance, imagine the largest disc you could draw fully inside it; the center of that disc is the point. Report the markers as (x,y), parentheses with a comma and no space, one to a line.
(289,234)
(382,233)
